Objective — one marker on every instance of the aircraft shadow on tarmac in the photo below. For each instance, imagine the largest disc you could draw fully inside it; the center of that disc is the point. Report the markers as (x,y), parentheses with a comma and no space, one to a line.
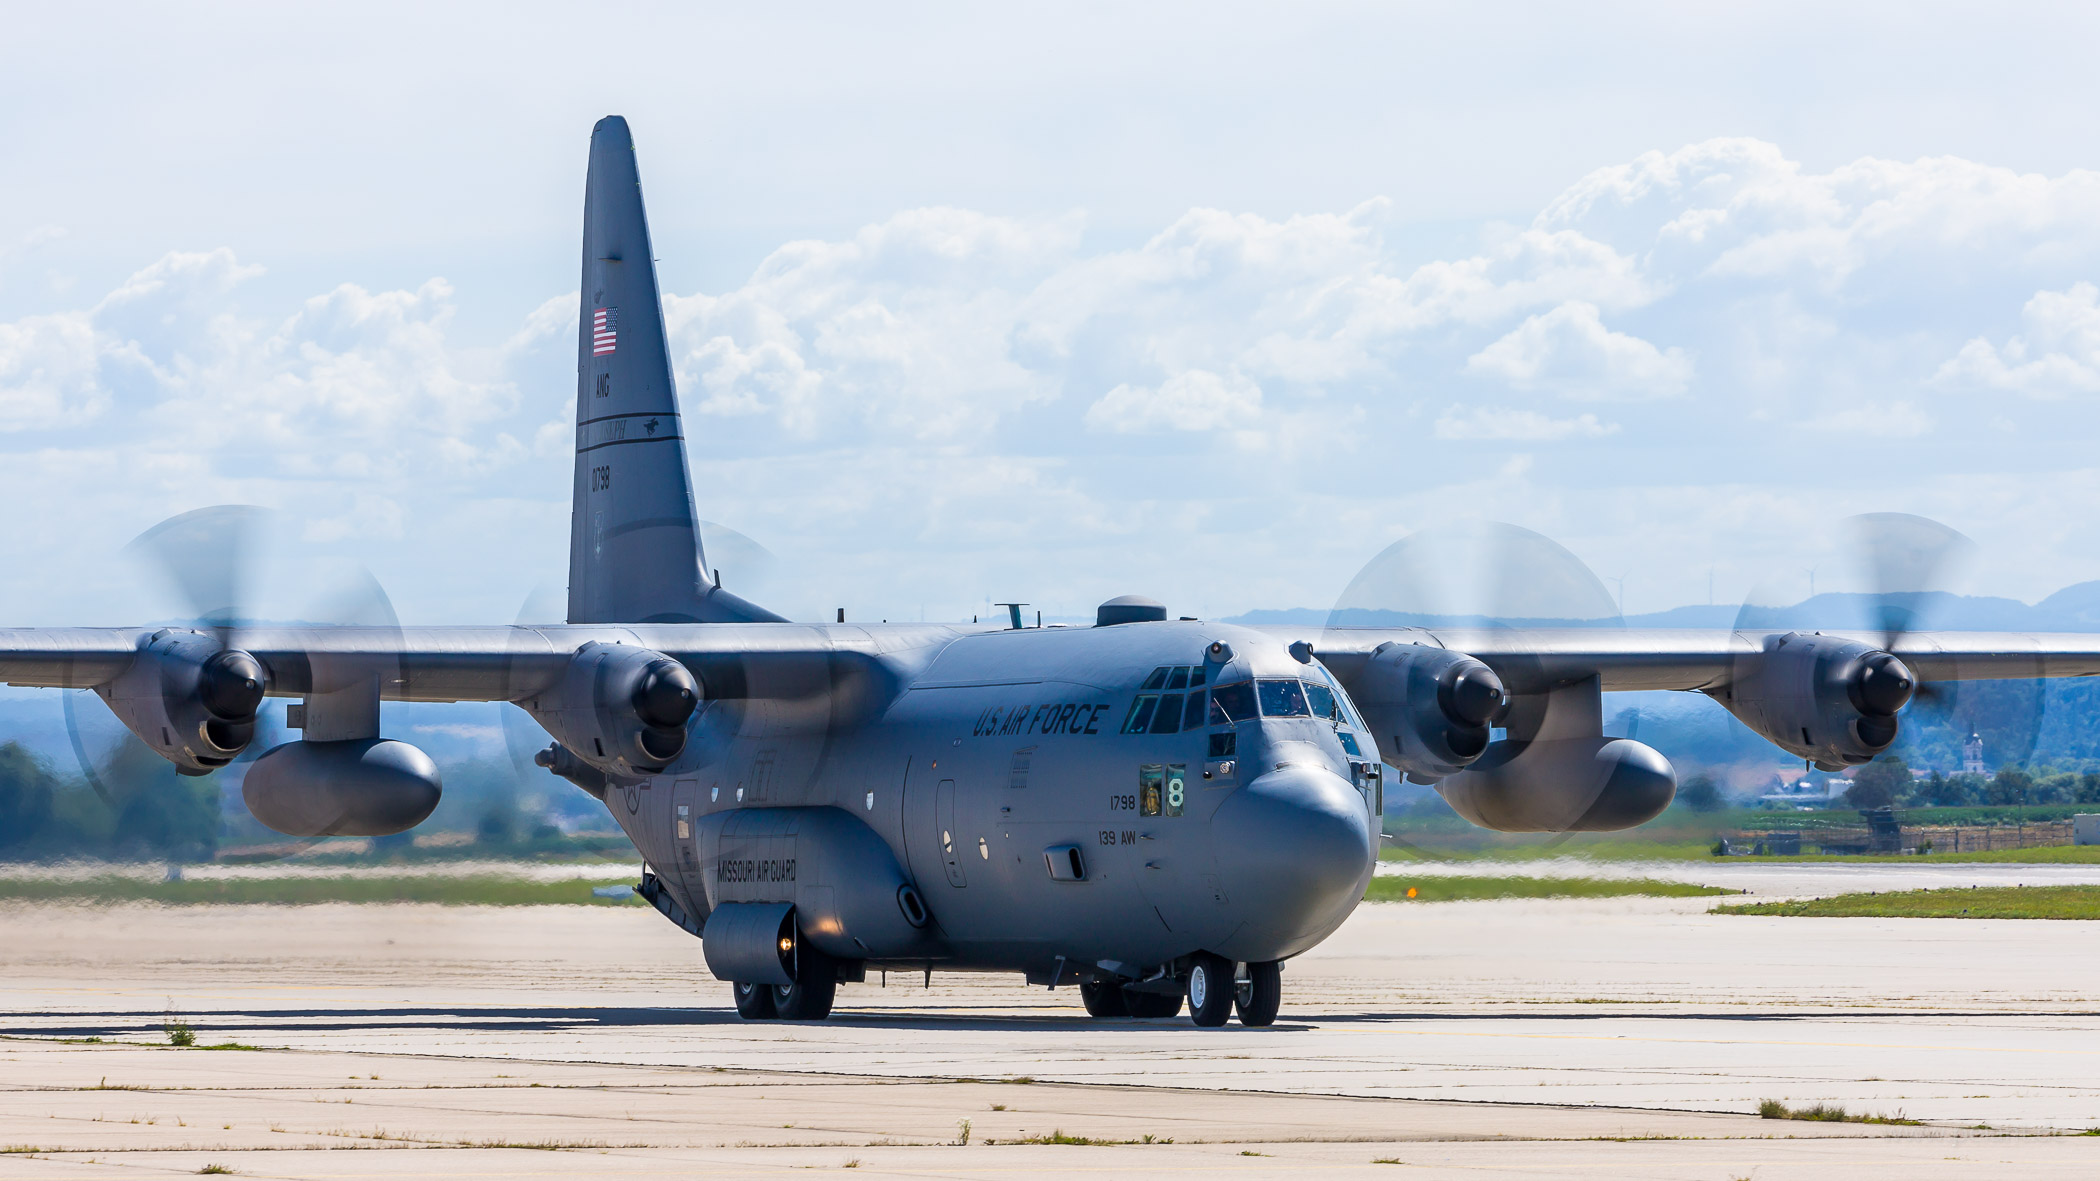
(233,1024)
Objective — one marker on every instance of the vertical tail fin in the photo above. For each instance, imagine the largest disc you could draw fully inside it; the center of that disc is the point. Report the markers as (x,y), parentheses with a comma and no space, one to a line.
(634,542)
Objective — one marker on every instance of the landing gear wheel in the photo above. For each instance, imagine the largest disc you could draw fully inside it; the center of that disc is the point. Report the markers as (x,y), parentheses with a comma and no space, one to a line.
(754,1002)
(1152,1004)
(809,997)
(1210,989)
(1260,994)
(1104,998)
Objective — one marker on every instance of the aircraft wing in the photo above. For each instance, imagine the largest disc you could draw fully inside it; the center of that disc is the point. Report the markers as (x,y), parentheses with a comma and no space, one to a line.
(490,663)
(761,659)
(1531,659)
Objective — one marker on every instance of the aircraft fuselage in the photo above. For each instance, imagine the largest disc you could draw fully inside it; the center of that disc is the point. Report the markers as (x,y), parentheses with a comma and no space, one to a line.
(1240,825)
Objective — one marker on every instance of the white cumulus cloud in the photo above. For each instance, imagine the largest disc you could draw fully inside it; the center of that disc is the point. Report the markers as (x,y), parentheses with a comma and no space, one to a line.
(1193,400)
(1569,351)
(1517,426)
(2057,355)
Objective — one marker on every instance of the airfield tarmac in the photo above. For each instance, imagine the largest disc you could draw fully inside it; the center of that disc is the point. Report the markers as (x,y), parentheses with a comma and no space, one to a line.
(1614,1037)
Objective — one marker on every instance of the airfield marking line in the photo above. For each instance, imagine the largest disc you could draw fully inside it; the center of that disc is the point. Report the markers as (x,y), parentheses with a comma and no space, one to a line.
(1582,1037)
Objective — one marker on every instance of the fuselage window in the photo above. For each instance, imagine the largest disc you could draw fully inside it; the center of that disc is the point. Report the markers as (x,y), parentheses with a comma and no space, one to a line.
(1231,703)
(1282,699)
(1162,790)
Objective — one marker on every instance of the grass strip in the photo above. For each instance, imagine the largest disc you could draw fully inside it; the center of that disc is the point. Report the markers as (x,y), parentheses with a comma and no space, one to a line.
(1983,902)
(1429,848)
(1828,1113)
(481,890)
(1439,888)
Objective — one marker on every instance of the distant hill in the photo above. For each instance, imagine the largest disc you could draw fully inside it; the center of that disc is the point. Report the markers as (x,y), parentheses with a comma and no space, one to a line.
(2072,609)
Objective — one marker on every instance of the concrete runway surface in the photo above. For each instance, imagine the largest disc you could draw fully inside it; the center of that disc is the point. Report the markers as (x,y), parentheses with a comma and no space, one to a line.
(1613,1037)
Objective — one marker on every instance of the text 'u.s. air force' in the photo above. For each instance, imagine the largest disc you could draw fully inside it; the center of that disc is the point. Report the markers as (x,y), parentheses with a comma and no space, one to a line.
(1061,717)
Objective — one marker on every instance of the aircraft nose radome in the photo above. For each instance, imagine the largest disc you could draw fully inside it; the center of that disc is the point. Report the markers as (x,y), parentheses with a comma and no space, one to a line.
(1296,849)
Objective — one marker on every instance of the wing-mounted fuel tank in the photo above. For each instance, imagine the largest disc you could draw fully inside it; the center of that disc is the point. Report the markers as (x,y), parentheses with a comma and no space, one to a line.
(190,698)
(1557,772)
(619,709)
(1824,698)
(851,900)
(355,787)
(1430,708)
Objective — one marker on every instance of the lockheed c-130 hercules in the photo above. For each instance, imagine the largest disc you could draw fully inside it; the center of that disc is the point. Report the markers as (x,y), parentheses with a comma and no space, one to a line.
(1151,810)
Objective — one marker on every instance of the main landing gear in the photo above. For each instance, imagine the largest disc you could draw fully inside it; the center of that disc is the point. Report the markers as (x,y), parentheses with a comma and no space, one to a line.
(807,999)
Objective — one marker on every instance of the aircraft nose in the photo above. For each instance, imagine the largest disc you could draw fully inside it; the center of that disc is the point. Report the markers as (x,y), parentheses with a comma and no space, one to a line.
(1295,849)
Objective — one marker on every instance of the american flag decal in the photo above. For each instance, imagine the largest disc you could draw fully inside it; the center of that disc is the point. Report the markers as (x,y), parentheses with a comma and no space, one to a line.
(604,331)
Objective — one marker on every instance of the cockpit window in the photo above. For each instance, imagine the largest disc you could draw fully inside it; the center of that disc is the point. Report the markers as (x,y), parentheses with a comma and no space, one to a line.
(1141,711)
(1156,680)
(1282,699)
(1323,703)
(1346,709)
(1178,678)
(1192,717)
(1231,703)
(1167,719)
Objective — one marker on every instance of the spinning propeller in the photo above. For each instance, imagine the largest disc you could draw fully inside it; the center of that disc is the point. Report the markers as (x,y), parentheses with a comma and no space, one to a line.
(1497,577)
(215,565)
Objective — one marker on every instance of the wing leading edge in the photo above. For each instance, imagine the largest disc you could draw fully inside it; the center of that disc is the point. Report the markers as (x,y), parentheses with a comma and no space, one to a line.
(1532,659)
(485,663)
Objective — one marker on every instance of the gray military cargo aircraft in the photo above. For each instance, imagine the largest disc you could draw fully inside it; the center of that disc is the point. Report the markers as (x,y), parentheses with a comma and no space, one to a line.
(1152,810)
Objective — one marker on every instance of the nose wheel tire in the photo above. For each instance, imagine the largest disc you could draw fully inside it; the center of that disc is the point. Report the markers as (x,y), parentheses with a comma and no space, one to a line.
(1260,994)
(754,1002)
(1210,989)
(1103,999)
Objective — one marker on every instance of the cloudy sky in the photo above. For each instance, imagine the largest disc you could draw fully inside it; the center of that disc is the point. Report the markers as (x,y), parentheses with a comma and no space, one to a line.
(1209,302)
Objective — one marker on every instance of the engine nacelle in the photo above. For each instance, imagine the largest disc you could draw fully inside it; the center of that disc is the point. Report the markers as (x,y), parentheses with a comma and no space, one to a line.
(1589,784)
(358,787)
(1829,700)
(189,698)
(620,708)
(1429,708)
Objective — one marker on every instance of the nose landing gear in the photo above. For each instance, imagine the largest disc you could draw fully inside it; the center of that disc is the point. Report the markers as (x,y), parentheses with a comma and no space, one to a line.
(1213,988)
(1214,992)
(1210,989)
(1259,995)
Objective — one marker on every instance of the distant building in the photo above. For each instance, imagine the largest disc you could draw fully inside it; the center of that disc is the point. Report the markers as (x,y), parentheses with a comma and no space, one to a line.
(1972,755)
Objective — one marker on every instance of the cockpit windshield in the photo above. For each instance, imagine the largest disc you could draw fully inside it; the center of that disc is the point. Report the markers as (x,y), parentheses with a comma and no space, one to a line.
(1323,703)
(1283,699)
